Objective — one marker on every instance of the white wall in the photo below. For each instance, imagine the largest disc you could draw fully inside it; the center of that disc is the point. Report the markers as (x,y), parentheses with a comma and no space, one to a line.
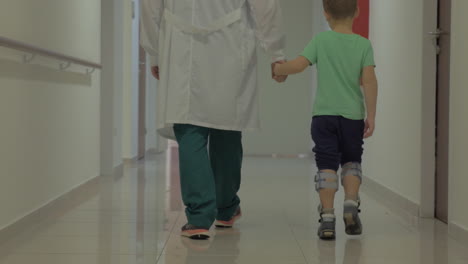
(393,156)
(112,48)
(286,109)
(49,134)
(458,214)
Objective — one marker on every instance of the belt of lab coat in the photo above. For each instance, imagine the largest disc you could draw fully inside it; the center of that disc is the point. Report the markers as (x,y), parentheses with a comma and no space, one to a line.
(217,25)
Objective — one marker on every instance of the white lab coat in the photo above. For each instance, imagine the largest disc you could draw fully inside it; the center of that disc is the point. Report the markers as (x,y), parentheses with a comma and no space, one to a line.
(206,51)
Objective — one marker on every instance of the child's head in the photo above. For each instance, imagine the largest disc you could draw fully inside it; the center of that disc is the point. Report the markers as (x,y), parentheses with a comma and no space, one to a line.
(339,10)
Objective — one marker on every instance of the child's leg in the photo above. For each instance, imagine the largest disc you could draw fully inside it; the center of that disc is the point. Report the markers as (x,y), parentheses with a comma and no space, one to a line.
(324,133)
(351,145)
(327,195)
(325,136)
(351,180)
(351,142)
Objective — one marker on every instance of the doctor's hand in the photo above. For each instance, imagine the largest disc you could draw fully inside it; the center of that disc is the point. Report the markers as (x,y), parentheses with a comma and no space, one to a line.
(155,72)
(278,78)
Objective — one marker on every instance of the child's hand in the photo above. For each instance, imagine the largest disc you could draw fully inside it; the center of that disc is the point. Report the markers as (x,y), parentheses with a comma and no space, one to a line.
(278,78)
(369,128)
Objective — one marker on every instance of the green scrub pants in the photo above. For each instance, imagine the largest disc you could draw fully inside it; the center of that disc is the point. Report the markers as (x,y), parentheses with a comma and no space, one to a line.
(210,172)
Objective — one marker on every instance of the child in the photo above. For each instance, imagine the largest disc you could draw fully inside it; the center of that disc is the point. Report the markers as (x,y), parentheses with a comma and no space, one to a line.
(338,128)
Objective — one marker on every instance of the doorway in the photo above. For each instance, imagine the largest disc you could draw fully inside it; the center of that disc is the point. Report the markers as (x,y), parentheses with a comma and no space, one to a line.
(442,34)
(141,103)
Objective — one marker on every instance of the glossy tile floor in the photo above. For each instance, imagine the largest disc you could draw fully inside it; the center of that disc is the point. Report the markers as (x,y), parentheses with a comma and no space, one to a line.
(136,218)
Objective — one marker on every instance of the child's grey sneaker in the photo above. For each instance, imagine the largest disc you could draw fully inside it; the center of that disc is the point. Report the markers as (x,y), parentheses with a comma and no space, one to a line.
(326,230)
(353,225)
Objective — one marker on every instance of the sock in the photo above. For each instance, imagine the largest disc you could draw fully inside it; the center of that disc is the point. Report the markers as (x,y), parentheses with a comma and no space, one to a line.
(328,211)
(351,203)
(351,197)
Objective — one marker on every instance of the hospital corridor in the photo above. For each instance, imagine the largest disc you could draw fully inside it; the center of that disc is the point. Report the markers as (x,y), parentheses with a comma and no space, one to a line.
(88,175)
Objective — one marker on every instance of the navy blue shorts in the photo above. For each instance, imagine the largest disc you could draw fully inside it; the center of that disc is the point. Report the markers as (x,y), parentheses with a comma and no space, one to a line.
(338,140)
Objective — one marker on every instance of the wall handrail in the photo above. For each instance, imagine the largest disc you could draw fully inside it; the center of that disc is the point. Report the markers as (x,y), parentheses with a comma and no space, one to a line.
(33,50)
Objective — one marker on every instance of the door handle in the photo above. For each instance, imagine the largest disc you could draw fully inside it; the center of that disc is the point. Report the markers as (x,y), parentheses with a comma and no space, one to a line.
(438,33)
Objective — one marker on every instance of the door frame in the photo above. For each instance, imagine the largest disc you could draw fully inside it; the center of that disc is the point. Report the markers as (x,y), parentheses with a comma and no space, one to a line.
(141,103)
(361,23)
(443,113)
(428,111)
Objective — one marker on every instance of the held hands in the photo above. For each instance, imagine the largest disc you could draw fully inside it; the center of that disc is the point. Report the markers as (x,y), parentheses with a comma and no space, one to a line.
(278,78)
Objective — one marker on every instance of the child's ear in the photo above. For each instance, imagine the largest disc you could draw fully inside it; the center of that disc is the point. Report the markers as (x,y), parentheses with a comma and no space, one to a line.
(327,16)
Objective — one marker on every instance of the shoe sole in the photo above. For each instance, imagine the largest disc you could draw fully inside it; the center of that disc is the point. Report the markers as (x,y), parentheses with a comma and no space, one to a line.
(327,235)
(196,234)
(227,224)
(352,226)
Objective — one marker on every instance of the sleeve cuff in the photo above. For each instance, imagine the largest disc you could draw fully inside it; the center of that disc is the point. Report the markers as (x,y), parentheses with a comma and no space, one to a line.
(278,56)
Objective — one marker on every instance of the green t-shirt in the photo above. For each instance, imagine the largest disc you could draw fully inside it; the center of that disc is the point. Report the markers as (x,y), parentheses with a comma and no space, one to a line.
(340,59)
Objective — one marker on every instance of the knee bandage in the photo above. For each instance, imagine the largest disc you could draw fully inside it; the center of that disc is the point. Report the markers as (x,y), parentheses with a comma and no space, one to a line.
(325,180)
(353,169)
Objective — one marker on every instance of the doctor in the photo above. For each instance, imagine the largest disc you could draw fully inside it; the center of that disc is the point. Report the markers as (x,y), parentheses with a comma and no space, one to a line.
(204,54)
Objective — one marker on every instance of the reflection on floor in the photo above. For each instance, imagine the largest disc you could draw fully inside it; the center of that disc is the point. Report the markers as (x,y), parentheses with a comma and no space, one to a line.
(136,218)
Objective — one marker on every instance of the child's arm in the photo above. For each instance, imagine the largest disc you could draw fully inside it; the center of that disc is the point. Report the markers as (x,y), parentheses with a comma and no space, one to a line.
(292,67)
(370,87)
